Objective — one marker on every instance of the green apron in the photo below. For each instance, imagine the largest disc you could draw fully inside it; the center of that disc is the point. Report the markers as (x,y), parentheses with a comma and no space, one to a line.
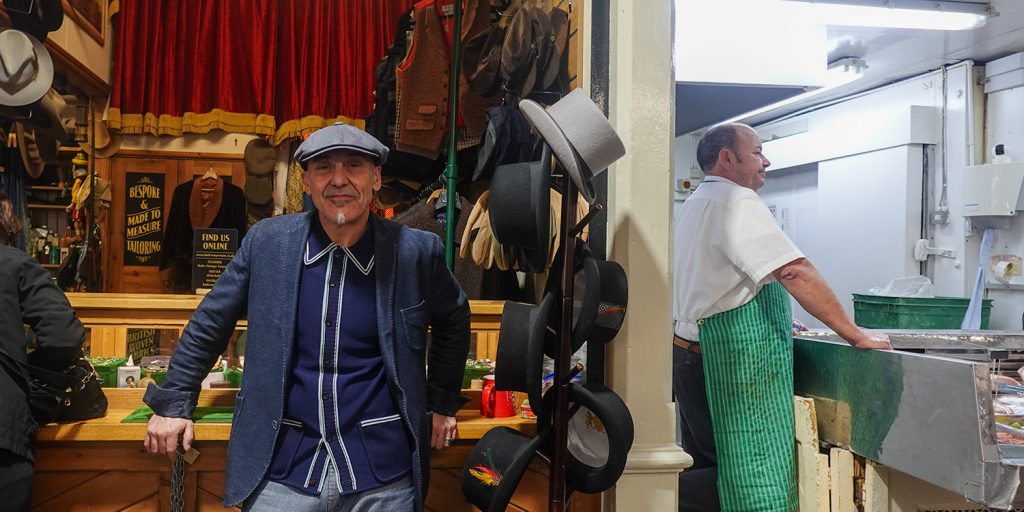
(748,362)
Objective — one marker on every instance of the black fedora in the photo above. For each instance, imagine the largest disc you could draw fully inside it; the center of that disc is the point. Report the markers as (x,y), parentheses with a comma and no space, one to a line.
(521,345)
(599,438)
(600,296)
(495,466)
(520,209)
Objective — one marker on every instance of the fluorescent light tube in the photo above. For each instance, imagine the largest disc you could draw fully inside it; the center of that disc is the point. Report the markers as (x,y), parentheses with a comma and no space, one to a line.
(929,15)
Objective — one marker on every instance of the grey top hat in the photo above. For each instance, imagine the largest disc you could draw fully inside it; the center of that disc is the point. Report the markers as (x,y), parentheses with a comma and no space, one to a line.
(340,136)
(581,137)
(26,69)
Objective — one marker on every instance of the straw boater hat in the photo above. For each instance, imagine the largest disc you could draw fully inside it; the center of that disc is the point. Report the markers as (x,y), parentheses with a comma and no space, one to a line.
(581,137)
(26,70)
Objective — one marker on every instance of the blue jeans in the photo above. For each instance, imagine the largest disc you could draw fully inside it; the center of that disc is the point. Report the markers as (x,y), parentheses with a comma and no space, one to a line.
(275,497)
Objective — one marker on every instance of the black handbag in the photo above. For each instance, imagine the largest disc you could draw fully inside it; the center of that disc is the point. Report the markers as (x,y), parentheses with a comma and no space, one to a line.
(73,394)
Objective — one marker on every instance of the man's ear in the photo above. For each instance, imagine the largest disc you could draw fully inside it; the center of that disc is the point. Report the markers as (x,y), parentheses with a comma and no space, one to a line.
(377,181)
(726,156)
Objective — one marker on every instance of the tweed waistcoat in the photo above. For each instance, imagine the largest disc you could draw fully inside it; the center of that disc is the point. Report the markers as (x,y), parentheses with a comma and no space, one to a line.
(423,83)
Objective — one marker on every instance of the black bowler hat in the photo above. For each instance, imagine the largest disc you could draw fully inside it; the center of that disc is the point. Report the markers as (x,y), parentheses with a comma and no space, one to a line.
(600,295)
(520,209)
(520,347)
(599,438)
(496,465)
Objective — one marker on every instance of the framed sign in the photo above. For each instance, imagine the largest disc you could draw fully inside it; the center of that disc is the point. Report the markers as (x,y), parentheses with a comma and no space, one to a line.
(90,15)
(213,250)
(143,223)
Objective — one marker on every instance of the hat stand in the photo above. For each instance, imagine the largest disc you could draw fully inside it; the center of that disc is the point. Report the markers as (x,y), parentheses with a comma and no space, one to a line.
(558,492)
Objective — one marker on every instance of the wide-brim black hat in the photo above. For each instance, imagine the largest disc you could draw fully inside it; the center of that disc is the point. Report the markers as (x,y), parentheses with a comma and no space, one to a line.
(521,345)
(520,209)
(600,296)
(599,438)
(36,17)
(495,466)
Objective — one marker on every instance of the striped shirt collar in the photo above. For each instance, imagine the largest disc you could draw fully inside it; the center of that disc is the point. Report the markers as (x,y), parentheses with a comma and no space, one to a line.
(318,245)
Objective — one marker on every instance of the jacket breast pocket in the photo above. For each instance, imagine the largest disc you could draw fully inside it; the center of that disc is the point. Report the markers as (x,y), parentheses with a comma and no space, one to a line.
(414,325)
(387,441)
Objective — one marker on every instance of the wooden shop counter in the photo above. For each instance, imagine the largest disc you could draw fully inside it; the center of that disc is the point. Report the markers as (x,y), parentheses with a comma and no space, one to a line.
(101,464)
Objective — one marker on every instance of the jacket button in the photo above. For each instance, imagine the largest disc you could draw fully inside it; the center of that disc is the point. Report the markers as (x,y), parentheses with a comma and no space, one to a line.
(327,323)
(274,424)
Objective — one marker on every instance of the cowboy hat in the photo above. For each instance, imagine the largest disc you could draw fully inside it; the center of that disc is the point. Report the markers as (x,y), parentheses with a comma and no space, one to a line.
(260,157)
(521,346)
(37,148)
(26,69)
(495,466)
(105,143)
(581,137)
(519,208)
(37,17)
(599,438)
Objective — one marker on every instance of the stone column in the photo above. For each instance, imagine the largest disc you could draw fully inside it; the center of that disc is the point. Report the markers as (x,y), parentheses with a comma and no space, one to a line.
(641,107)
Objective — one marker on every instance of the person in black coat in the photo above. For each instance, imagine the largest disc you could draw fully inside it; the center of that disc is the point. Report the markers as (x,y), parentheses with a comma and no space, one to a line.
(27,296)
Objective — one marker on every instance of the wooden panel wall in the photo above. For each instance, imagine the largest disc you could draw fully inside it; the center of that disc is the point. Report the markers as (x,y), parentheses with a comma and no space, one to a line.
(177,168)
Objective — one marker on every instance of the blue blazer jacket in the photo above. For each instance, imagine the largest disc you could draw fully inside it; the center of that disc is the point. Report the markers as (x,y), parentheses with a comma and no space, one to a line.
(414,290)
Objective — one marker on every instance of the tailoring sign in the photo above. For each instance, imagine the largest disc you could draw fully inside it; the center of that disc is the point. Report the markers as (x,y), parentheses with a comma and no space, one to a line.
(214,248)
(143,225)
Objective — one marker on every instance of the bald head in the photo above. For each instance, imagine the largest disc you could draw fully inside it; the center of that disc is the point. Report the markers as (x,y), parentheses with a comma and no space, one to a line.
(723,136)
(733,151)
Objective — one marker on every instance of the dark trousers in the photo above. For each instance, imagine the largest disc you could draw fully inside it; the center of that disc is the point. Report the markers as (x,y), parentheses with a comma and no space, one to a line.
(698,485)
(15,481)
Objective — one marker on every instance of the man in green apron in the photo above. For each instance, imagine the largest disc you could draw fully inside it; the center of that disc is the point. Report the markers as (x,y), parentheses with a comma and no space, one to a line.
(733,353)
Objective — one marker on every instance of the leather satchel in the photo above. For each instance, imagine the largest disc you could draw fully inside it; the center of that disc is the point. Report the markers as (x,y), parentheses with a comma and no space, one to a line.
(73,394)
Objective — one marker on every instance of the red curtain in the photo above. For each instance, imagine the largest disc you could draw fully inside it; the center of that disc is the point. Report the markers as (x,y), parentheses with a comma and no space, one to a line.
(281,67)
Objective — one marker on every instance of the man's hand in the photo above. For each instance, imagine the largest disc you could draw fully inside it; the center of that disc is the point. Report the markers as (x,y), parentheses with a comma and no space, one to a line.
(870,339)
(162,435)
(444,432)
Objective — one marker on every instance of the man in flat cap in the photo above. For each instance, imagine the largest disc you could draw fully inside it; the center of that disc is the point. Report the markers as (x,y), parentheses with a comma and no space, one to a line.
(342,399)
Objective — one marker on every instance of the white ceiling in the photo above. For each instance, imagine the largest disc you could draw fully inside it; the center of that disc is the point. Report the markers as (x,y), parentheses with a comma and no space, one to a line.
(893,54)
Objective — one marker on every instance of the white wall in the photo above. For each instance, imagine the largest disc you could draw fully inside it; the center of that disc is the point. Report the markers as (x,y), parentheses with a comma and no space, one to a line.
(857,212)
(1005,125)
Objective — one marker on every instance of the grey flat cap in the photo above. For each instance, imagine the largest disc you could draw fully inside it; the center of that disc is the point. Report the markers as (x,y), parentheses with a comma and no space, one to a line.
(340,136)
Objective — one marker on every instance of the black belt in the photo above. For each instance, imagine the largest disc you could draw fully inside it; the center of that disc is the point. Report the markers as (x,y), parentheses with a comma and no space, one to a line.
(690,346)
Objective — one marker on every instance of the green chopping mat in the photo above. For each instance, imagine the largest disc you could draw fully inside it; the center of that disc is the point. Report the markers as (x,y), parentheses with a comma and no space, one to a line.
(220,414)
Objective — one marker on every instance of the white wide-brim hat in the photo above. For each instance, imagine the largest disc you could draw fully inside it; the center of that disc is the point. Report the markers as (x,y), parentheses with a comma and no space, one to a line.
(26,69)
(580,136)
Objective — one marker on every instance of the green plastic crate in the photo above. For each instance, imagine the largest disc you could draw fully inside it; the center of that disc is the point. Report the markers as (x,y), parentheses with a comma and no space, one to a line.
(881,312)
(106,369)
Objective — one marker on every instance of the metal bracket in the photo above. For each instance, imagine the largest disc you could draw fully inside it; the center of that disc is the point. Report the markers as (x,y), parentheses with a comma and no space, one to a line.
(922,250)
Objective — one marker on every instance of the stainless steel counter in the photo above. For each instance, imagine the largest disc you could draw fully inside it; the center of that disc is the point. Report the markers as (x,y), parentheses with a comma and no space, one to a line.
(927,415)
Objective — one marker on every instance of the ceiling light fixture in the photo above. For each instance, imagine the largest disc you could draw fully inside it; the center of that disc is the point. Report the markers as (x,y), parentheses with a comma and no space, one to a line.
(913,14)
(840,72)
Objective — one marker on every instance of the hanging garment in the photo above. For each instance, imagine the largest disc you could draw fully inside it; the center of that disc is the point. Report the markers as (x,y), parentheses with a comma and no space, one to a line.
(748,363)
(225,208)
(422,81)
(423,215)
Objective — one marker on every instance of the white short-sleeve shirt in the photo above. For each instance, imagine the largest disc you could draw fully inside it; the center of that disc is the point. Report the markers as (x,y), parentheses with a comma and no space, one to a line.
(727,245)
